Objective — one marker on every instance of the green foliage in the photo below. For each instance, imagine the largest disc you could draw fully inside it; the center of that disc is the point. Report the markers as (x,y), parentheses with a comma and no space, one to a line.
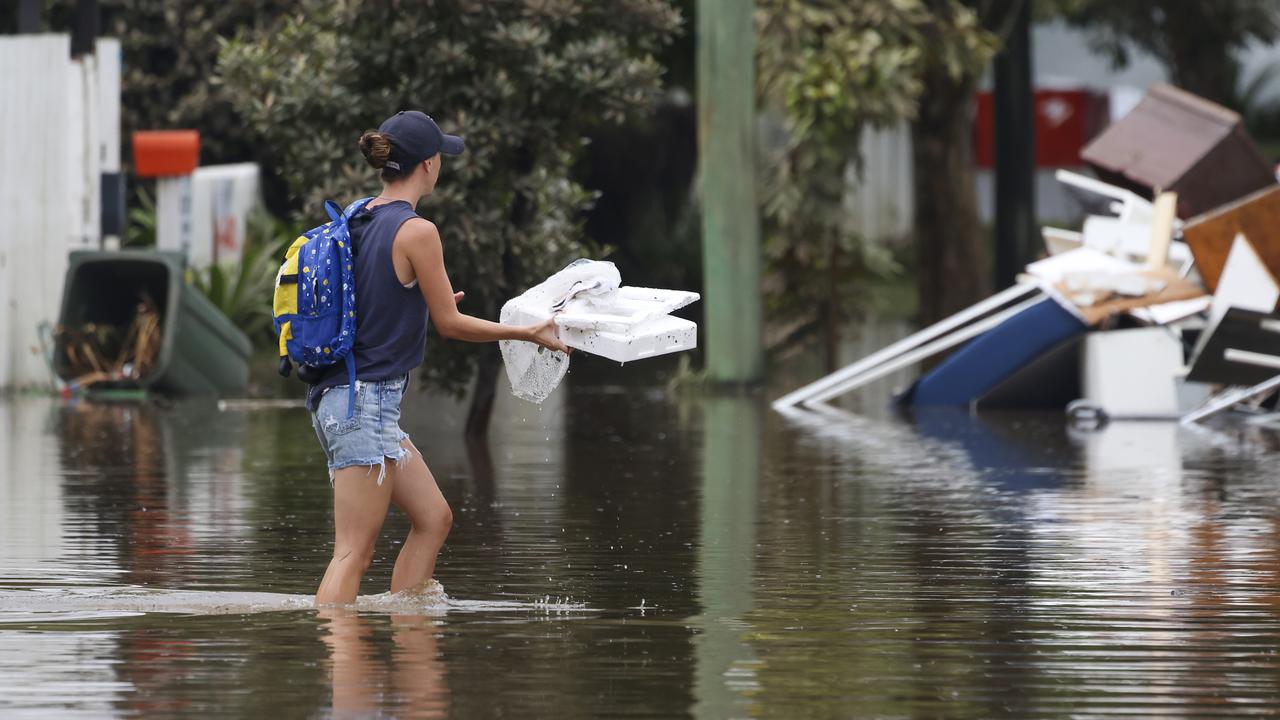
(1259,107)
(521,80)
(170,54)
(140,231)
(243,291)
(830,69)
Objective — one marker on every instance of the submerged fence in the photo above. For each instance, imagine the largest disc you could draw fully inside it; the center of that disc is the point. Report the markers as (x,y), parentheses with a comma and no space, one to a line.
(59,137)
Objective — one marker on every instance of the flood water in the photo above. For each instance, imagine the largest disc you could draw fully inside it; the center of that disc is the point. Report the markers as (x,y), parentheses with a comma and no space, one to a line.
(627,551)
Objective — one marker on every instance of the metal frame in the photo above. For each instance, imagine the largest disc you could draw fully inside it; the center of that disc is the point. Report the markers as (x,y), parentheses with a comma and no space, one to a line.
(930,341)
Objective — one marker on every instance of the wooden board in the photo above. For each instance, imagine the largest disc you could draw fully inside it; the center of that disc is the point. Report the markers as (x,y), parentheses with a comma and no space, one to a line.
(1256,216)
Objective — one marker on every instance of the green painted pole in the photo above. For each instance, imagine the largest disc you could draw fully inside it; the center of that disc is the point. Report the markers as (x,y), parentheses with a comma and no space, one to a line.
(730,218)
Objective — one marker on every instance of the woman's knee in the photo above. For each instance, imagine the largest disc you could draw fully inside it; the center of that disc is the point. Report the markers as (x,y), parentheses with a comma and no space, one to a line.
(436,519)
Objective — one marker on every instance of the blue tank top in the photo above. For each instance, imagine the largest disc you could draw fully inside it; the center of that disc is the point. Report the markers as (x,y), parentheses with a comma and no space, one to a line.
(391,319)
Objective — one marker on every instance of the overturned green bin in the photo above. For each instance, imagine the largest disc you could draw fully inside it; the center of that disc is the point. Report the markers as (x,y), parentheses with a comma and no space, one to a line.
(199,350)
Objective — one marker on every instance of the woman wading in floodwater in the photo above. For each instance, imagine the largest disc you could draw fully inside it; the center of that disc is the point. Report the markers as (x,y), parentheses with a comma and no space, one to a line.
(400,276)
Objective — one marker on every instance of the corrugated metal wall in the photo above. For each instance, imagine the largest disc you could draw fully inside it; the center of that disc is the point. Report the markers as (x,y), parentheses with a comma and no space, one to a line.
(882,199)
(51,151)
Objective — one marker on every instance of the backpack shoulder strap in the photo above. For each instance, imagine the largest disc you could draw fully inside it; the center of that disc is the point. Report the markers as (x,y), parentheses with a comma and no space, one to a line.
(337,213)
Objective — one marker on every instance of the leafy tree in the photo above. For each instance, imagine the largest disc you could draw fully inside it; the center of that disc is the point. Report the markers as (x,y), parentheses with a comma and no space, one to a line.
(170,55)
(521,80)
(1196,40)
(833,68)
(953,254)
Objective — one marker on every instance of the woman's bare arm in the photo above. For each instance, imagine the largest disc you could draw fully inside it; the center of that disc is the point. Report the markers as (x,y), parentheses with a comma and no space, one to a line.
(419,240)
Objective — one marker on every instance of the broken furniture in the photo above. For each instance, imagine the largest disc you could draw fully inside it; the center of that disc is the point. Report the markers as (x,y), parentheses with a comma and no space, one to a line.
(1212,234)
(1104,321)
(1176,141)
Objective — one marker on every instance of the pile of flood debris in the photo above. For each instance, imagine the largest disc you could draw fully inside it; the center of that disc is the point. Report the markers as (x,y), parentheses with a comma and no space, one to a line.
(1162,305)
(97,352)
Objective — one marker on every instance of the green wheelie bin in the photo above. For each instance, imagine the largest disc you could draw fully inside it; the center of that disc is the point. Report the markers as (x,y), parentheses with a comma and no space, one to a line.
(199,351)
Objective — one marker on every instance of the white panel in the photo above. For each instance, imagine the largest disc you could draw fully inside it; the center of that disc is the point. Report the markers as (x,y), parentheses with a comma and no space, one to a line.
(222,199)
(50,196)
(1133,373)
(173,214)
(86,160)
(37,194)
(109,68)
(1245,283)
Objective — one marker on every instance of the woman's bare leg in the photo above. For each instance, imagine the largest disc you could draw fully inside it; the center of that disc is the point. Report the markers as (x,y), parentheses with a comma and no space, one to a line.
(359,507)
(414,491)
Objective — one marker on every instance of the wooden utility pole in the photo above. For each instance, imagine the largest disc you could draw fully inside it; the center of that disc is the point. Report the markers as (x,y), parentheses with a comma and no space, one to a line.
(730,217)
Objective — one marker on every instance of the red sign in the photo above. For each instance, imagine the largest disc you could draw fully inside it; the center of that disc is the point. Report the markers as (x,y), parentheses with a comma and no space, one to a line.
(1066,120)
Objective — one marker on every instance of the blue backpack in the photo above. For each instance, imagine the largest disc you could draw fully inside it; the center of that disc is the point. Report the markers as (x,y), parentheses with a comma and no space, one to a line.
(314,307)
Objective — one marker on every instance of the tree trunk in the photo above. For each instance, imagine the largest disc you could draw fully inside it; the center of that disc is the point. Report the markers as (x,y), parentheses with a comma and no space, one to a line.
(521,214)
(1206,67)
(485,391)
(954,258)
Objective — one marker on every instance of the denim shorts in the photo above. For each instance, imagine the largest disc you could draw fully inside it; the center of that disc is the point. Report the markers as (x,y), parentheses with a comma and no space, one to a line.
(371,435)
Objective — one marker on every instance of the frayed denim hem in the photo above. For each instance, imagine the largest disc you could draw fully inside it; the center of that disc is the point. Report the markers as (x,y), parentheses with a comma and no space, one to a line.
(401,454)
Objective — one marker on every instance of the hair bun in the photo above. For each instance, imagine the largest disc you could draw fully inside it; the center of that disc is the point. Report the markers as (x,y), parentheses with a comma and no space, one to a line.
(376,148)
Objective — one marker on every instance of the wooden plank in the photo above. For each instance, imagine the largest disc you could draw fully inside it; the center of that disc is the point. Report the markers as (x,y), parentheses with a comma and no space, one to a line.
(1175,288)
(1163,215)
(1256,216)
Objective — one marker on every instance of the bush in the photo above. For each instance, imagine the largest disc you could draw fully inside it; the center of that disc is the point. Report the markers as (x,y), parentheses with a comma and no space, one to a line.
(522,81)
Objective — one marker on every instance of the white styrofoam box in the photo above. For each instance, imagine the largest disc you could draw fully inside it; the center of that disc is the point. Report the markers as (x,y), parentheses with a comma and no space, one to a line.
(1133,373)
(630,323)
(622,308)
(657,336)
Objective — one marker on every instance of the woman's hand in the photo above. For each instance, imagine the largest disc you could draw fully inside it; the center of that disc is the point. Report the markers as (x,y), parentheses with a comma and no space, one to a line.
(547,335)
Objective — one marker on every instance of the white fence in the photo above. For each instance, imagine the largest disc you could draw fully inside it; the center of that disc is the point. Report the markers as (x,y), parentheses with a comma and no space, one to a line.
(59,129)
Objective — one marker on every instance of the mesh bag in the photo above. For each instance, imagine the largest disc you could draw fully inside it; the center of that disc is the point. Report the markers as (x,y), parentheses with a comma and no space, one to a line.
(533,370)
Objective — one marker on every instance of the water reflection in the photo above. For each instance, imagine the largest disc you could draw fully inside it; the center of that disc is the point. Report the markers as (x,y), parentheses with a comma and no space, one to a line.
(32,528)
(1006,558)
(733,441)
(721,561)
(409,683)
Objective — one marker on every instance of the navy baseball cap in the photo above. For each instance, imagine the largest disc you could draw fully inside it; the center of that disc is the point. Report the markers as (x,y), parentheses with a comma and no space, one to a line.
(416,137)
